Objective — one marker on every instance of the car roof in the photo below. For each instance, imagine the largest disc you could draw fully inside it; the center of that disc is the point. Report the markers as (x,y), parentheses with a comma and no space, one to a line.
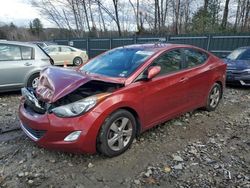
(17,43)
(157,46)
(57,45)
(244,47)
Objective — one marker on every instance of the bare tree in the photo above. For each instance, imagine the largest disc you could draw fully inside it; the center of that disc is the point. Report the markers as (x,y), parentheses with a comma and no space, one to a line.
(176,15)
(86,14)
(206,2)
(114,16)
(225,15)
(101,16)
(242,22)
(246,23)
(157,16)
(115,3)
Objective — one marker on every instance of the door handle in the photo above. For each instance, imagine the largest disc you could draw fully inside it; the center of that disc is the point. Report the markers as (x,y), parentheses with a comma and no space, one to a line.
(184,79)
(27,64)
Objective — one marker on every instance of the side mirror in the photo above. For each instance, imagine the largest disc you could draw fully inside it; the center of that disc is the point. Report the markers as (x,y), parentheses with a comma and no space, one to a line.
(153,71)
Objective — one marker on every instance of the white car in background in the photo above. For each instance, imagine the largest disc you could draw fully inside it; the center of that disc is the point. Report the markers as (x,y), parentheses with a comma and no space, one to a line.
(66,55)
(20,65)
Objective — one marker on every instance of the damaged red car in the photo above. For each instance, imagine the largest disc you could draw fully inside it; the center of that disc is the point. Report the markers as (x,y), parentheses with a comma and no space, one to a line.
(117,95)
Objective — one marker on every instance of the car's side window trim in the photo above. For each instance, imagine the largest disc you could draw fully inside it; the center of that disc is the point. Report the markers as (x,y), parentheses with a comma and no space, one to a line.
(196,66)
(180,65)
(19,47)
(31,55)
(140,76)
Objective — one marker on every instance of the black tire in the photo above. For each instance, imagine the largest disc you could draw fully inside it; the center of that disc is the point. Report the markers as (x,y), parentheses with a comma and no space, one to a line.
(106,132)
(211,106)
(31,80)
(77,61)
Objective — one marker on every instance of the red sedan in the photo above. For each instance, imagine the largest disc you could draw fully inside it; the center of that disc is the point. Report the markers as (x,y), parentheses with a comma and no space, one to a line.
(104,104)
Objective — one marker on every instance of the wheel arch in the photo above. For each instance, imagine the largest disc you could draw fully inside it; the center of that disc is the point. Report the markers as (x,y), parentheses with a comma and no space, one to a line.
(129,109)
(27,77)
(137,118)
(77,56)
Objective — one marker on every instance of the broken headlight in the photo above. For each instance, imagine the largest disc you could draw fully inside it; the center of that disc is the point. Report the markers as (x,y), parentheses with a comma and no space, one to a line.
(79,107)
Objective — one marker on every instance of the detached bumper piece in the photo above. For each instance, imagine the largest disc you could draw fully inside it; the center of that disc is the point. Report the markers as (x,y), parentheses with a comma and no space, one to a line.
(31,101)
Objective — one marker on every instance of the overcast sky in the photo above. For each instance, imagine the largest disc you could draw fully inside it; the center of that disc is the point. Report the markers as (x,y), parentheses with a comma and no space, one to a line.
(20,12)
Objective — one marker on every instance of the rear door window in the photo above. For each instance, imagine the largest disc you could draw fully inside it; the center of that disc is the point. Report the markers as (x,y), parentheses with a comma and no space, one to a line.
(51,49)
(169,62)
(26,53)
(65,49)
(194,57)
(10,52)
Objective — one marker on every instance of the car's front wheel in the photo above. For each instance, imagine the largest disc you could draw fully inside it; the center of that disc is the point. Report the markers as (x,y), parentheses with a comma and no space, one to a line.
(117,133)
(33,81)
(214,97)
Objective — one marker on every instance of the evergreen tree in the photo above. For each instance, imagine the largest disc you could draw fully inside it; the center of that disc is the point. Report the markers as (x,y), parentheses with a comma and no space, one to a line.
(36,27)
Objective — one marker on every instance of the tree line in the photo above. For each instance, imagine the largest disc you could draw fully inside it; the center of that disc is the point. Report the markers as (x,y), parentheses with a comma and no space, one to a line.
(147,16)
(102,18)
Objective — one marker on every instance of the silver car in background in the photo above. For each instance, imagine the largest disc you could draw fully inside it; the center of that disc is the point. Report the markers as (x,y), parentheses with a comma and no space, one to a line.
(20,65)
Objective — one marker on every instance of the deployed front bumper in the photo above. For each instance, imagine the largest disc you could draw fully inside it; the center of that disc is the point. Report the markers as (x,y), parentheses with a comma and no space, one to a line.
(49,131)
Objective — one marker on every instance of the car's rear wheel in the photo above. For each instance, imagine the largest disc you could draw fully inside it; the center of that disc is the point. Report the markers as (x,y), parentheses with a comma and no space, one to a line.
(33,81)
(77,61)
(117,133)
(214,97)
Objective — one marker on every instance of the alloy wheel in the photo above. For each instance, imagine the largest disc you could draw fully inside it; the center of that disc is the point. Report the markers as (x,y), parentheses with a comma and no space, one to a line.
(34,83)
(214,97)
(119,134)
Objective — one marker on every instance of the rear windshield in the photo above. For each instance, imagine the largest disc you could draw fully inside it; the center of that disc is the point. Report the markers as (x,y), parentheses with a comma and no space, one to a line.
(121,62)
(44,52)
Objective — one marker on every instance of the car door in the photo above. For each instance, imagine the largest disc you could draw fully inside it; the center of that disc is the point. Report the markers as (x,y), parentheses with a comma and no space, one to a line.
(66,54)
(15,62)
(199,75)
(165,95)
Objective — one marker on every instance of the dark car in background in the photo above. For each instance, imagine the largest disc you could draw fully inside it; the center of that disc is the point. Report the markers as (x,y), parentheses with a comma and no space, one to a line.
(20,65)
(238,66)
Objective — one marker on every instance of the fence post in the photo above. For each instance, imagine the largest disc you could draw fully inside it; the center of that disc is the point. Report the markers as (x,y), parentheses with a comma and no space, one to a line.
(135,39)
(87,41)
(167,38)
(208,42)
(110,43)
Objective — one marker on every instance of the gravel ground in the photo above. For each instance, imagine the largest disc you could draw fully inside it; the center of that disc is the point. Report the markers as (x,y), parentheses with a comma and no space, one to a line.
(198,149)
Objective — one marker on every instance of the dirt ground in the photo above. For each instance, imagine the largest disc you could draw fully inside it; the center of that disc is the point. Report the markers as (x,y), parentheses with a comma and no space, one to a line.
(198,149)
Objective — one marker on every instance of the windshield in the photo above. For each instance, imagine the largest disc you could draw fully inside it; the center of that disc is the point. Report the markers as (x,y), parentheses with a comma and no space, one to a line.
(236,53)
(119,62)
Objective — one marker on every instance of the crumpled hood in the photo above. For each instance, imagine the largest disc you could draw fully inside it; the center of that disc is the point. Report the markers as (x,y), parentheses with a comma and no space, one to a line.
(237,64)
(57,82)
